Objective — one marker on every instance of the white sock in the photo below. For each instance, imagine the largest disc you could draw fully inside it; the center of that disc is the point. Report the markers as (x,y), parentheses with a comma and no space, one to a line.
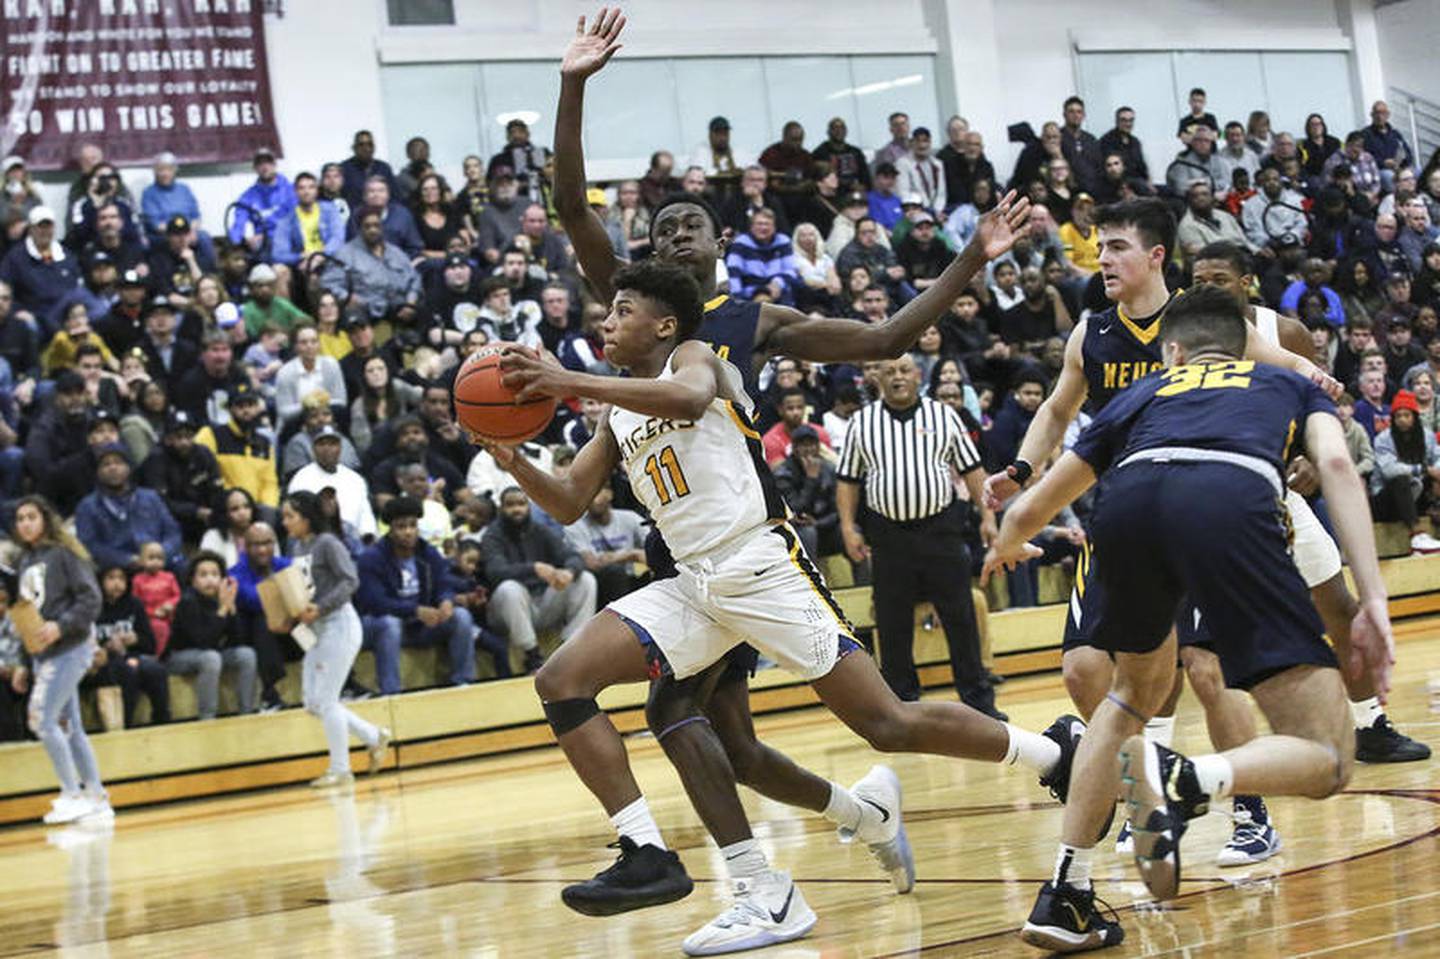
(744,860)
(636,822)
(1032,750)
(1215,775)
(1161,730)
(1366,711)
(1072,866)
(843,809)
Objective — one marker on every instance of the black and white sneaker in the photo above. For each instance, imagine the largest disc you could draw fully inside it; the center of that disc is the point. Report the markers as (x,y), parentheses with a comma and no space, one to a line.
(1065,732)
(1383,743)
(642,876)
(1161,793)
(1065,920)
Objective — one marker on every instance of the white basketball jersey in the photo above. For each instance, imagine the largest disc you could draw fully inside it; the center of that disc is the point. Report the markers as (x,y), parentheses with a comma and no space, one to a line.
(1267,324)
(704,482)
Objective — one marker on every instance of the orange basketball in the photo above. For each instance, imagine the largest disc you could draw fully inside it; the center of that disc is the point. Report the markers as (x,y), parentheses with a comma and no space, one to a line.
(487,408)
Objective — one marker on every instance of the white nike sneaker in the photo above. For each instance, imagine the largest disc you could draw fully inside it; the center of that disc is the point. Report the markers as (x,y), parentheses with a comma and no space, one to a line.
(100,812)
(1424,543)
(768,909)
(67,807)
(885,837)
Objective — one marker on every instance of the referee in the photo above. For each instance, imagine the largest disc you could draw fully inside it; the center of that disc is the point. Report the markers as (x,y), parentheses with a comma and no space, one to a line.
(902,450)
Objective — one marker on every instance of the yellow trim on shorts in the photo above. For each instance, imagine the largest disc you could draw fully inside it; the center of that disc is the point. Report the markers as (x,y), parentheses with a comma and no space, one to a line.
(812,577)
(1082,567)
(745,428)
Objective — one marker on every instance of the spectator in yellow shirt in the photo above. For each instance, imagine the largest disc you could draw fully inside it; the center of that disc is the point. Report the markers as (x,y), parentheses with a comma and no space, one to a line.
(1079,235)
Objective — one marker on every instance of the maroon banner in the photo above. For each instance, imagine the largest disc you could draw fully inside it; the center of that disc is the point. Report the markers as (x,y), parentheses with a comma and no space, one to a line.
(138,77)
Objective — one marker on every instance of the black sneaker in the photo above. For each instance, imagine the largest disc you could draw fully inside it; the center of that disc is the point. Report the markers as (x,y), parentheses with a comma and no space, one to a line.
(642,876)
(1162,794)
(1065,920)
(1065,732)
(1383,743)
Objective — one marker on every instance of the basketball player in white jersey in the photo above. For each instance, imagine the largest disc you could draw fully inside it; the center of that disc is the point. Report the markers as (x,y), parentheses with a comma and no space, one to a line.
(1227,266)
(680,427)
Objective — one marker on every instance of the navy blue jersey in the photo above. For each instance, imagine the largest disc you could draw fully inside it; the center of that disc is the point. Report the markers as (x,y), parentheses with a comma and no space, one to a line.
(1117,352)
(1236,406)
(729,329)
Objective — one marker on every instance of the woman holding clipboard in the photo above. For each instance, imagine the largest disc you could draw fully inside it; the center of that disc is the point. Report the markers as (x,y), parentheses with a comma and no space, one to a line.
(59,603)
(331,619)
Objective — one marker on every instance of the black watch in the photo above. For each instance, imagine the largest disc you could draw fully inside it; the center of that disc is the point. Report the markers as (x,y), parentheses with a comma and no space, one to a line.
(1021,471)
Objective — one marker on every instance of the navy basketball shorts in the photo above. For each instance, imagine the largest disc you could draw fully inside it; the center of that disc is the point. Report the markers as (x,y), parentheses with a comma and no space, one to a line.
(1217,535)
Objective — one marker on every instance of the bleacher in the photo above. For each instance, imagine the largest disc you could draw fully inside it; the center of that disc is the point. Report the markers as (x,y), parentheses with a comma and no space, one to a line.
(181,760)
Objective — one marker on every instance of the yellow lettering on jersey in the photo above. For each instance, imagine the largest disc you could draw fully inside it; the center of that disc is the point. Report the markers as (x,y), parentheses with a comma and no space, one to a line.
(1117,376)
(649,430)
(1207,376)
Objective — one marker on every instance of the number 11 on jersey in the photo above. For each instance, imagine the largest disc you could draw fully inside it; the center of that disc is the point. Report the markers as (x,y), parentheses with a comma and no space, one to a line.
(663,467)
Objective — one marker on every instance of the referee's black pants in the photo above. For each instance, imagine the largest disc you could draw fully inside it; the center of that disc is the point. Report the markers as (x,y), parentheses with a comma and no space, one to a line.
(922,560)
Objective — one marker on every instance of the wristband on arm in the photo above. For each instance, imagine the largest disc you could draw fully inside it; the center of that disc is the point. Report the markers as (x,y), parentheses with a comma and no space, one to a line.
(1021,471)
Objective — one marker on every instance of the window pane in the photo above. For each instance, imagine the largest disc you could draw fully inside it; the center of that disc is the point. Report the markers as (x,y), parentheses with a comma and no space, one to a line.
(527,90)
(436,101)
(1142,81)
(1232,82)
(418,13)
(811,90)
(629,113)
(1303,83)
(732,87)
(883,85)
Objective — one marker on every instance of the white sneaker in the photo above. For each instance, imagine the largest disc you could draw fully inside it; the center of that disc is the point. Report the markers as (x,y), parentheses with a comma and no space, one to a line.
(1125,840)
(333,781)
(67,808)
(885,837)
(767,909)
(100,811)
(378,750)
(1424,543)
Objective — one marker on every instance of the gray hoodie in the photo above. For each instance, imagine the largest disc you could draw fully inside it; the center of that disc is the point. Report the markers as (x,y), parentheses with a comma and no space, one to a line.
(63,586)
(328,567)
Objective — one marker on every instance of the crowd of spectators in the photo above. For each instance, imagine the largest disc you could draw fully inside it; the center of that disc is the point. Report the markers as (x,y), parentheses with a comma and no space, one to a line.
(164,380)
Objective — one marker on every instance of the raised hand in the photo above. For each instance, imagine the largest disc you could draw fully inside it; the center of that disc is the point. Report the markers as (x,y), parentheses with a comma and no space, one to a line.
(1008,557)
(1001,227)
(593,47)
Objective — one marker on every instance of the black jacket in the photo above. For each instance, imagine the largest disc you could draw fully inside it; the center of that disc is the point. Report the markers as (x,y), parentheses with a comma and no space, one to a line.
(508,552)
(199,625)
(185,485)
(56,453)
(184,356)
(126,614)
(814,497)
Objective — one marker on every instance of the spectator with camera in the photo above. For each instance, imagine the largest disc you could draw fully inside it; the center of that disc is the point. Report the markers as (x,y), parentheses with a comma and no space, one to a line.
(1275,211)
(526,159)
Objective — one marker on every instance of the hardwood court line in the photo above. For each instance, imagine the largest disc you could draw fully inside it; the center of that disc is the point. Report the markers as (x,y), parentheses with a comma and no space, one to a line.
(1366,942)
(1431,796)
(1328,917)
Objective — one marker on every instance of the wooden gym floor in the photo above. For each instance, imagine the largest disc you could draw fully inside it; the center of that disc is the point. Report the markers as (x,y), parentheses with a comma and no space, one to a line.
(468,859)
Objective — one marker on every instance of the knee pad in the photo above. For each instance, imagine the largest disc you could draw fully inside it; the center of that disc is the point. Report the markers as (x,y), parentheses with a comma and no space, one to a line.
(565,715)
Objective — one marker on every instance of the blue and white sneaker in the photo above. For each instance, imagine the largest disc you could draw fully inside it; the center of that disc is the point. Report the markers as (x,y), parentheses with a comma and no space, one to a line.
(885,837)
(1254,839)
(768,909)
(1125,840)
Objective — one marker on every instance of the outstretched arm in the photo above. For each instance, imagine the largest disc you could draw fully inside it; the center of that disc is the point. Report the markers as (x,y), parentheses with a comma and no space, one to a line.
(1060,487)
(787,332)
(1048,427)
(1261,350)
(591,49)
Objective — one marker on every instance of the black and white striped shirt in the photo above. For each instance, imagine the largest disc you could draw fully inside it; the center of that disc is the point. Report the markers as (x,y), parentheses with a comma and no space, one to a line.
(904,457)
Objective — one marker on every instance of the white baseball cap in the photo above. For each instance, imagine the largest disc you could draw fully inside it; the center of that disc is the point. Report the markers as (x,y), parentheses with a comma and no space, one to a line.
(11,162)
(166,159)
(42,214)
(227,315)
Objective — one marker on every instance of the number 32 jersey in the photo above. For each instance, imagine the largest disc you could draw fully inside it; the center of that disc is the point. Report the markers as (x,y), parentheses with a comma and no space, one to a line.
(704,481)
